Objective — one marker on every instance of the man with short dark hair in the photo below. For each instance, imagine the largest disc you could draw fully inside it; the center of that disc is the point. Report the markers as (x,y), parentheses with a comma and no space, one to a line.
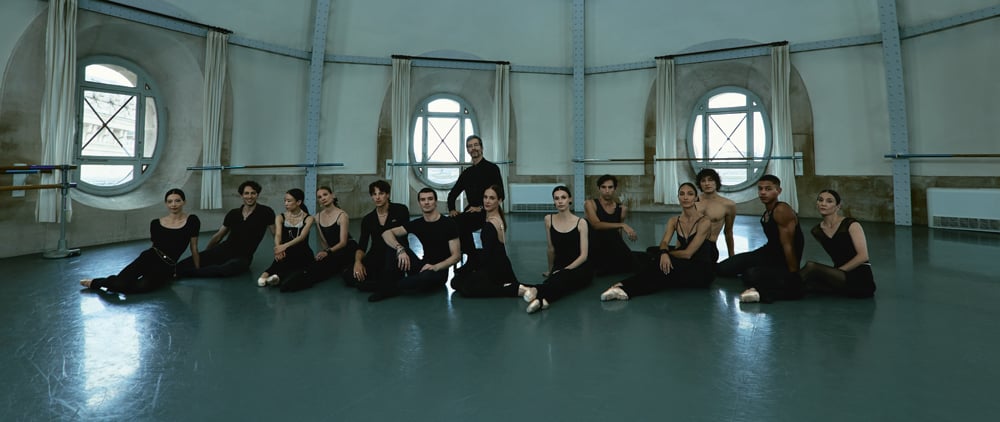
(473,181)
(771,272)
(369,261)
(438,237)
(608,252)
(242,230)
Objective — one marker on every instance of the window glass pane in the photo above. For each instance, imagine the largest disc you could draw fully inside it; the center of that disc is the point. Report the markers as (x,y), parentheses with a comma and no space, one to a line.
(759,136)
(443,140)
(111,75)
(108,124)
(443,105)
(697,141)
(731,177)
(418,139)
(442,175)
(149,135)
(728,99)
(105,175)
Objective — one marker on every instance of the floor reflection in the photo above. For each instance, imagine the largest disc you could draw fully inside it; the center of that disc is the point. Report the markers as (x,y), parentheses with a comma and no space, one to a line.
(111,353)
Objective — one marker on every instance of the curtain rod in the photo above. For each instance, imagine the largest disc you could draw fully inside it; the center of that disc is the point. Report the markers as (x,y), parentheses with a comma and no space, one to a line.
(446,59)
(165,16)
(720,50)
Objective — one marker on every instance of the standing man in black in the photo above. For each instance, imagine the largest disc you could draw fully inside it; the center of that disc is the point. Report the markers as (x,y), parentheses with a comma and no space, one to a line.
(473,181)
(244,227)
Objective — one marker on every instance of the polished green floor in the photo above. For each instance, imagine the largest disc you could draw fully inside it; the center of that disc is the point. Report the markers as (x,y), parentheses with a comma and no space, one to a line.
(924,349)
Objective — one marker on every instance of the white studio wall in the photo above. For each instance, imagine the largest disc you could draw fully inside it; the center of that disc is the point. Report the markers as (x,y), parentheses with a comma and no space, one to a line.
(287,23)
(649,28)
(16,16)
(543,110)
(269,108)
(951,95)
(850,116)
(615,119)
(352,100)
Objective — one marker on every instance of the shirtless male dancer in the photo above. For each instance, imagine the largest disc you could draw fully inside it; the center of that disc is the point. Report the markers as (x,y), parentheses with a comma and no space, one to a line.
(720,211)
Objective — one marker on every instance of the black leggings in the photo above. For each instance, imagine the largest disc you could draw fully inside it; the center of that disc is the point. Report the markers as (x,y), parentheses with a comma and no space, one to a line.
(765,272)
(564,282)
(686,273)
(484,284)
(146,273)
(824,279)
(318,271)
(215,262)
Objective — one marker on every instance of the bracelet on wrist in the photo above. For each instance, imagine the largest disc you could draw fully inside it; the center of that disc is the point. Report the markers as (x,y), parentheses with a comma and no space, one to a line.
(664,251)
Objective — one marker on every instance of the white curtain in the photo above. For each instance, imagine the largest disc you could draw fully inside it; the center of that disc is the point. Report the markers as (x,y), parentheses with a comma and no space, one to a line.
(58,107)
(400,130)
(781,125)
(666,173)
(216,53)
(501,128)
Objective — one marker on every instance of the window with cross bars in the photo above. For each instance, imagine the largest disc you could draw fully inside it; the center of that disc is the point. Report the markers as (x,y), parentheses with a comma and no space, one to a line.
(119,125)
(731,133)
(440,126)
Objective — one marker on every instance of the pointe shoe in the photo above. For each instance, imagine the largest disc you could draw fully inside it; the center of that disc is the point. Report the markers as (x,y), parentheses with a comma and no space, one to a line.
(750,296)
(261,281)
(614,293)
(530,293)
(273,280)
(536,305)
(521,290)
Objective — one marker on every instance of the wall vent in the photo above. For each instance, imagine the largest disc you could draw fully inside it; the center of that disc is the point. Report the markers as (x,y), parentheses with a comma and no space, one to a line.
(531,197)
(964,209)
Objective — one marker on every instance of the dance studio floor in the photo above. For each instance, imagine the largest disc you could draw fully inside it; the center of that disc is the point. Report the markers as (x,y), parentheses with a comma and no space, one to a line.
(925,349)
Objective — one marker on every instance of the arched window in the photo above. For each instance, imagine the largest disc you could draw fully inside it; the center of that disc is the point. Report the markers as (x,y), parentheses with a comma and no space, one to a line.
(440,126)
(730,127)
(120,125)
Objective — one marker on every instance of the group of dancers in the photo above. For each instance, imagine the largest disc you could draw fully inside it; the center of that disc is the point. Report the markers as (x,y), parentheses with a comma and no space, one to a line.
(380,261)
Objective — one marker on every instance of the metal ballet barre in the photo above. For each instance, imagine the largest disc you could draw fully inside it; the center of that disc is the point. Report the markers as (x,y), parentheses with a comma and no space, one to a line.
(65,185)
(906,156)
(265,166)
(644,160)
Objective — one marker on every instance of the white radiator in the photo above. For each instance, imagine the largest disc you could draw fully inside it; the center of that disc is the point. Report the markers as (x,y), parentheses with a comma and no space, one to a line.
(531,197)
(964,209)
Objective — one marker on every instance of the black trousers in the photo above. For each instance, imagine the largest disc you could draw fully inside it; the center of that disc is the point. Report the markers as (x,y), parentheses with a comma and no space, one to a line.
(765,272)
(564,282)
(686,273)
(394,280)
(215,262)
(320,270)
(484,284)
(146,273)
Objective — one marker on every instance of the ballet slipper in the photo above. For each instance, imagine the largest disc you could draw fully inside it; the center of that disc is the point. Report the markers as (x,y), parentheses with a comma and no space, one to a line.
(614,293)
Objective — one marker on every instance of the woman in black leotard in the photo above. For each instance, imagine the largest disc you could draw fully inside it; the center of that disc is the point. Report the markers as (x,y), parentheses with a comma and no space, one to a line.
(291,240)
(690,264)
(156,266)
(568,269)
(492,275)
(844,240)
(337,246)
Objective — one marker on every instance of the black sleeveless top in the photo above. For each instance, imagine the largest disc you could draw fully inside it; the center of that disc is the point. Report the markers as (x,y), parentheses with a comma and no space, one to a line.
(839,246)
(566,245)
(707,252)
(775,254)
(599,237)
(332,232)
(495,259)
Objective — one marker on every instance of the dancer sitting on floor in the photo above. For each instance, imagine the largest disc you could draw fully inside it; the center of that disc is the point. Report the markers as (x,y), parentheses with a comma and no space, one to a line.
(606,215)
(338,248)
(492,275)
(771,272)
(370,260)
(843,239)
(568,269)
(438,237)
(690,264)
(156,266)
(292,252)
